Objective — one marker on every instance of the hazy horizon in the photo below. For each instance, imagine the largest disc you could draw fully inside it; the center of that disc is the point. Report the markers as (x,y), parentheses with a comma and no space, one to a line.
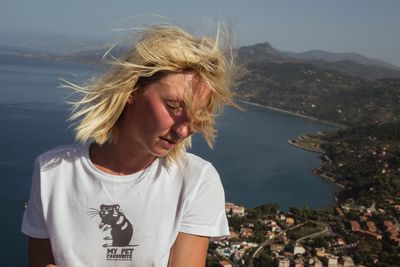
(366,27)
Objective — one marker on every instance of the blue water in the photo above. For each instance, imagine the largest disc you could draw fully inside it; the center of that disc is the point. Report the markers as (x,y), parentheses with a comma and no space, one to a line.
(258,166)
(253,157)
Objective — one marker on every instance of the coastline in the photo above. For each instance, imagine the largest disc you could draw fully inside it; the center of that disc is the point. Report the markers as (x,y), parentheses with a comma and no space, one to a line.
(328,178)
(317,171)
(292,113)
(294,143)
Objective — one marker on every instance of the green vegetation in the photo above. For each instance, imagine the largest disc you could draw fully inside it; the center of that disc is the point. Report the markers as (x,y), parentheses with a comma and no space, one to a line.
(321,93)
(365,159)
(265,259)
(305,230)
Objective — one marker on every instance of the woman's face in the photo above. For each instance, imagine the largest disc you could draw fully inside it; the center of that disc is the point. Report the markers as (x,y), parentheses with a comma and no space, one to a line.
(156,118)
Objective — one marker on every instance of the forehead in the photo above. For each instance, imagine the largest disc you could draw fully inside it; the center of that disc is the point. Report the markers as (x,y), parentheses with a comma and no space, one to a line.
(186,87)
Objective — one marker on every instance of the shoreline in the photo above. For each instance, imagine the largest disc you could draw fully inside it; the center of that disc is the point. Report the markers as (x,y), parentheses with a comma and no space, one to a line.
(316,170)
(329,179)
(292,113)
(337,186)
(295,143)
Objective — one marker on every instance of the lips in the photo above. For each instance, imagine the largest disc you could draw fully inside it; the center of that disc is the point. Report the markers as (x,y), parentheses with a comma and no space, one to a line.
(168,143)
(168,140)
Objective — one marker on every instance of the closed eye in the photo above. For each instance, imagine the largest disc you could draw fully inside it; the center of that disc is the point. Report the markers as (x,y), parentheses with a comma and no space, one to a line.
(175,106)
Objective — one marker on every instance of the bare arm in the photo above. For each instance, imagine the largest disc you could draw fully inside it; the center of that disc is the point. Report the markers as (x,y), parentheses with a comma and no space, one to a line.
(40,253)
(189,250)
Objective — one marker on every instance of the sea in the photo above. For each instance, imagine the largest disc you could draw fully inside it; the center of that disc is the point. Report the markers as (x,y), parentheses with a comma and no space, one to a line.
(252,154)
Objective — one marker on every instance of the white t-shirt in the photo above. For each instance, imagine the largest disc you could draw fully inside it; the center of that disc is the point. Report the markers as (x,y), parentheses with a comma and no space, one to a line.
(97,219)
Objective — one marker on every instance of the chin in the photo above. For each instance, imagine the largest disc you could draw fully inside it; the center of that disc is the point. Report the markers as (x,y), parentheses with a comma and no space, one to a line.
(160,153)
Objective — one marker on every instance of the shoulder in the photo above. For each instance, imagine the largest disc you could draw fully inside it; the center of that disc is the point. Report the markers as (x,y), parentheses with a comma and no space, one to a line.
(194,164)
(193,160)
(197,170)
(57,155)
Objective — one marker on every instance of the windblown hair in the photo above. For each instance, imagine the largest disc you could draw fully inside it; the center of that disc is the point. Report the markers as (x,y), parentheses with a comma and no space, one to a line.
(160,49)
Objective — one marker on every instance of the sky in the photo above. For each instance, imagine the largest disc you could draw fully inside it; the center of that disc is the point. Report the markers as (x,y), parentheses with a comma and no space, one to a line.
(369,27)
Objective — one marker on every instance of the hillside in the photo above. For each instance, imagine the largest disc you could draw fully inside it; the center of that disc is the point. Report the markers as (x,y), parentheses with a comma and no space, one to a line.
(344,92)
(334,57)
(324,94)
(263,52)
(350,63)
(366,159)
(369,72)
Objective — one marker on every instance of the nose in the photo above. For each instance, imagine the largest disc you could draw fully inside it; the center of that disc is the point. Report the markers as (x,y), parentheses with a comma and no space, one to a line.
(182,130)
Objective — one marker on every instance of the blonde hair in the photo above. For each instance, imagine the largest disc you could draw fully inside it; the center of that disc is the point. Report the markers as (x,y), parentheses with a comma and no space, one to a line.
(160,49)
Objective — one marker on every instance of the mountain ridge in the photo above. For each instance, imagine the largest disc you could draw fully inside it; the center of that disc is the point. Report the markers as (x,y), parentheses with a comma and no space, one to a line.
(340,56)
(329,91)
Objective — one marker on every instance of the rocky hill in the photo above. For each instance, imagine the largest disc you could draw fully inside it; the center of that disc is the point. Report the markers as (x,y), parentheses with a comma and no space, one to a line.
(262,53)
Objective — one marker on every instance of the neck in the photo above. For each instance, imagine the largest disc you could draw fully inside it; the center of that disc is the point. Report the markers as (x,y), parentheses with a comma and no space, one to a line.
(118,159)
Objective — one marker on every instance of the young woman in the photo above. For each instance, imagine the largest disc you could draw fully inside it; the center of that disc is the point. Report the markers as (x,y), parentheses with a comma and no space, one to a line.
(129,194)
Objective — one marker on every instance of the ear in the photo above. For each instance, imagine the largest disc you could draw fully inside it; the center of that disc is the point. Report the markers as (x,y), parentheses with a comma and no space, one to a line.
(131,98)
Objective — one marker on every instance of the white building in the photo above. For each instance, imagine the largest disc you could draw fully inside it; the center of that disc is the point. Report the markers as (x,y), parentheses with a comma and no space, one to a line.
(298,249)
(236,210)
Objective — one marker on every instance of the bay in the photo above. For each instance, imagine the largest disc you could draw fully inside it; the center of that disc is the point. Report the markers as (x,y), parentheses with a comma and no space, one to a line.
(258,166)
(252,155)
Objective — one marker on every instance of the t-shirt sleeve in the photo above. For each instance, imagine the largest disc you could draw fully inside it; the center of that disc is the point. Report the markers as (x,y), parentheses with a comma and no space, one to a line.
(33,223)
(204,213)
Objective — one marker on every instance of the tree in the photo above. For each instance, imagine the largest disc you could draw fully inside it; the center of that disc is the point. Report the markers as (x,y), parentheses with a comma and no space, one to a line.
(265,259)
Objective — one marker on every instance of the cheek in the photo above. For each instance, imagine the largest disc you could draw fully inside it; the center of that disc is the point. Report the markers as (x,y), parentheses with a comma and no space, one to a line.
(158,116)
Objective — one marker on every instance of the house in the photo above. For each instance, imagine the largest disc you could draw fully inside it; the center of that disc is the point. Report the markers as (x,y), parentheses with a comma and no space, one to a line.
(271,223)
(239,254)
(376,235)
(382,211)
(231,208)
(355,226)
(233,234)
(388,224)
(371,226)
(277,247)
(250,225)
(339,212)
(225,263)
(340,241)
(347,261)
(350,206)
(332,260)
(281,216)
(298,263)
(275,227)
(289,221)
(314,262)
(269,235)
(320,252)
(287,254)
(298,249)
(283,262)
(246,232)
(391,230)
